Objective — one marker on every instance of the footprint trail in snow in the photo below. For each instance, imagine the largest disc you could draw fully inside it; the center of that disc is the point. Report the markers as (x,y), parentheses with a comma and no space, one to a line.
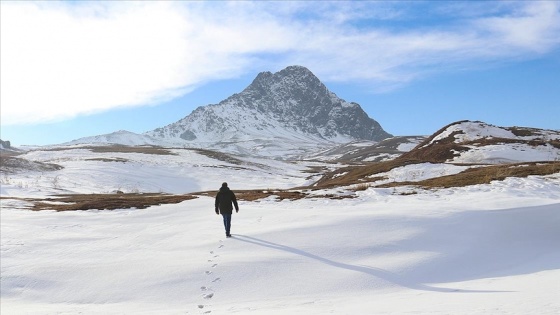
(207,291)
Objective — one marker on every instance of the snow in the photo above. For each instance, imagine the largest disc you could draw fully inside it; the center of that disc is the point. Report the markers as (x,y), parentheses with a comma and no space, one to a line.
(405,147)
(419,172)
(483,249)
(474,130)
(187,171)
(119,137)
(508,153)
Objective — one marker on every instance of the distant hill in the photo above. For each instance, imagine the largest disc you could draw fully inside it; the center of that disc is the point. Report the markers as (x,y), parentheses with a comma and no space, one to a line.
(476,142)
(462,153)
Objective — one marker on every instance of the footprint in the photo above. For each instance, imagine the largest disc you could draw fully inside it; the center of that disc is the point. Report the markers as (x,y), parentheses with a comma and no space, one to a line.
(211,252)
(208,296)
(221,246)
(203,288)
(208,272)
(201,307)
(214,265)
(216,280)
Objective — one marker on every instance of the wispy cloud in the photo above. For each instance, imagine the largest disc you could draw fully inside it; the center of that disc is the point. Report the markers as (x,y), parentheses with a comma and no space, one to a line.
(61,59)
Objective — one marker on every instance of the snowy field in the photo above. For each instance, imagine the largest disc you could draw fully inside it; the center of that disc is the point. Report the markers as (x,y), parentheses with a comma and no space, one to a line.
(485,249)
(184,171)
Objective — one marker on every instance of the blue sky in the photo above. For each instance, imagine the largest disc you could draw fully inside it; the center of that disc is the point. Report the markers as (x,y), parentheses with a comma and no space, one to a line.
(74,69)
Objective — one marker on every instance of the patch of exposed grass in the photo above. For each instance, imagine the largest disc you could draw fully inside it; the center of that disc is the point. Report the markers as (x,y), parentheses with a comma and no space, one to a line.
(219,156)
(439,152)
(105,201)
(279,195)
(250,195)
(12,164)
(118,148)
(256,194)
(362,187)
(132,149)
(555,143)
(108,160)
(523,131)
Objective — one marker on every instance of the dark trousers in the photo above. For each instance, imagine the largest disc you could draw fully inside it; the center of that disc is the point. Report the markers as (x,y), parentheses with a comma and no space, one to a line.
(227,222)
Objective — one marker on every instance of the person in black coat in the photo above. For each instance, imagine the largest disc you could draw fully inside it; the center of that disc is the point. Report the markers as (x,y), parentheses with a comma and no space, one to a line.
(225,200)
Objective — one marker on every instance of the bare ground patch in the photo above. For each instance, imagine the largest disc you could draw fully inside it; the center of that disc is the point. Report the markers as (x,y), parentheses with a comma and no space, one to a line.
(278,195)
(103,201)
(118,148)
(121,160)
(74,202)
(13,164)
(256,194)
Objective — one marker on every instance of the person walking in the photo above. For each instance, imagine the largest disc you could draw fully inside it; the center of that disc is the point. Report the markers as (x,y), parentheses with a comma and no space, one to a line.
(224,200)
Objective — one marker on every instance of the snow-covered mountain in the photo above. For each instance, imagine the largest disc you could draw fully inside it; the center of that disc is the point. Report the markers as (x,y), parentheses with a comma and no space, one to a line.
(290,113)
(290,110)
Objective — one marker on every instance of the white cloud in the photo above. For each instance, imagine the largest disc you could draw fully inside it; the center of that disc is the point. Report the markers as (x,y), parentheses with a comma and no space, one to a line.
(60,59)
(531,28)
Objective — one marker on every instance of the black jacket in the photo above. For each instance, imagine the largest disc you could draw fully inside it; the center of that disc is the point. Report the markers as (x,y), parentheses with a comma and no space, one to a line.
(224,200)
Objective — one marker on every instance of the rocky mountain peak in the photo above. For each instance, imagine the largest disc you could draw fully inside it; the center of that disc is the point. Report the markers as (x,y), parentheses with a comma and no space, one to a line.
(291,88)
(289,104)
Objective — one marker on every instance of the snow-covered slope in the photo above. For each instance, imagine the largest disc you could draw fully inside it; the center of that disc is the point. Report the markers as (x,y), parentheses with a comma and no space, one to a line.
(118,137)
(477,142)
(484,249)
(106,169)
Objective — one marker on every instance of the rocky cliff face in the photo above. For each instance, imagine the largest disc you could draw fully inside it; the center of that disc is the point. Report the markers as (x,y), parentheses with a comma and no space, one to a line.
(291,105)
